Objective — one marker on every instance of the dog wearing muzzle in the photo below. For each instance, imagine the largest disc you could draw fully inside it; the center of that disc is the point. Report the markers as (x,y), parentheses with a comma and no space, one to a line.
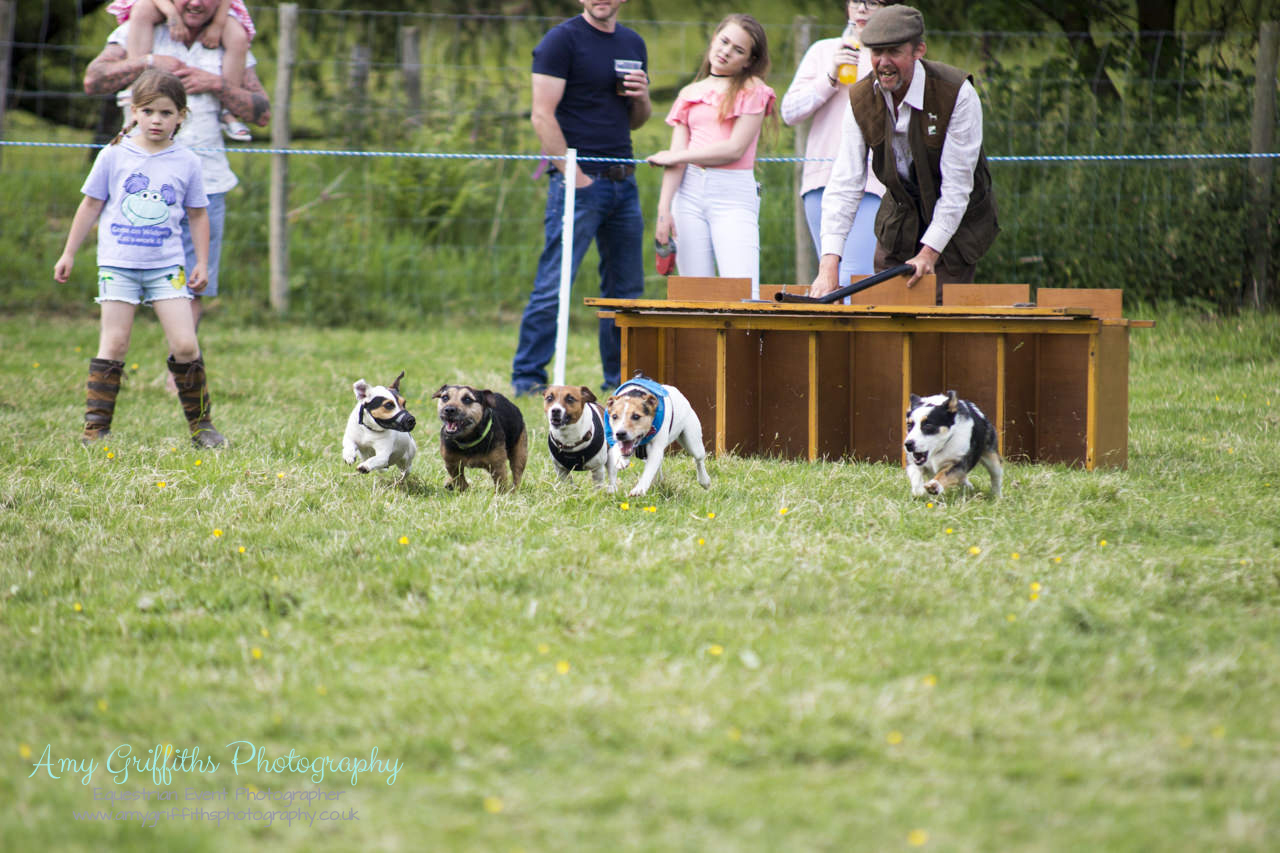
(378,430)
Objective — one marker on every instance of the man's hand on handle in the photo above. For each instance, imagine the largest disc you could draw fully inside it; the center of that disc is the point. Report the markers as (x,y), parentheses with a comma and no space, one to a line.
(828,277)
(923,262)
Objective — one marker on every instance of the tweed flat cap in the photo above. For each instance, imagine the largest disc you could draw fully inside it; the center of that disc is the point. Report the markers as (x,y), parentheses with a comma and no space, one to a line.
(893,25)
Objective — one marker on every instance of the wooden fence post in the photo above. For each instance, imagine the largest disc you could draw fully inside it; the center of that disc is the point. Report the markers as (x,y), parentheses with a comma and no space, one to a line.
(411,69)
(8,11)
(802,36)
(357,93)
(1261,169)
(278,217)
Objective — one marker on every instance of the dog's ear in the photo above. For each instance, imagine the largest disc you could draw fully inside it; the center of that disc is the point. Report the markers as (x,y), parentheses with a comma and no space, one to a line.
(608,404)
(587,396)
(915,401)
(362,390)
(439,395)
(489,400)
(650,404)
(952,402)
(395,386)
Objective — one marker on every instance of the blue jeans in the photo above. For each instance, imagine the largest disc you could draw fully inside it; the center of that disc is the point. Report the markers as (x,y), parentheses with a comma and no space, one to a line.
(608,212)
(860,246)
(217,221)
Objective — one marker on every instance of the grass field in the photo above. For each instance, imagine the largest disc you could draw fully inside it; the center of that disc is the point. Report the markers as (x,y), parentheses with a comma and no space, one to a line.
(802,658)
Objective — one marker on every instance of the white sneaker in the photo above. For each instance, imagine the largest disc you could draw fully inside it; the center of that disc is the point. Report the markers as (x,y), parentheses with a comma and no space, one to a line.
(234,129)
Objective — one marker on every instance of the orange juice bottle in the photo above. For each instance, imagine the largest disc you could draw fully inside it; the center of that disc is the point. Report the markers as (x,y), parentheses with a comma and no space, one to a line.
(848,72)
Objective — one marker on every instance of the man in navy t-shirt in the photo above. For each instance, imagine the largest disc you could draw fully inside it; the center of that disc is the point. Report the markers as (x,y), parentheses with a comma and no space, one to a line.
(580,102)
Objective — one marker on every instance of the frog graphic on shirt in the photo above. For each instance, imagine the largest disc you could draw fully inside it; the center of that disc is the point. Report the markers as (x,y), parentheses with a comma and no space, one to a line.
(145,206)
(145,209)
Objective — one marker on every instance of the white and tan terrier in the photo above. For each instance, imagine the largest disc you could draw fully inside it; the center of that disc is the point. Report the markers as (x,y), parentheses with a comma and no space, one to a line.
(378,430)
(578,435)
(645,417)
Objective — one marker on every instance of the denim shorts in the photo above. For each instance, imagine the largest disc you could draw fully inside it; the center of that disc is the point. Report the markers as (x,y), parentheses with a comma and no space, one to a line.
(140,286)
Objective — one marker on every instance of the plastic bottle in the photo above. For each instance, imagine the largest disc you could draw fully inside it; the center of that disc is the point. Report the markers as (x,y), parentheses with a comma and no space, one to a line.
(848,72)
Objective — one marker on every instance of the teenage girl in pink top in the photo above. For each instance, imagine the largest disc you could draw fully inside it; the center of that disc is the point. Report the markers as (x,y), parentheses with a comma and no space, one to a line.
(710,201)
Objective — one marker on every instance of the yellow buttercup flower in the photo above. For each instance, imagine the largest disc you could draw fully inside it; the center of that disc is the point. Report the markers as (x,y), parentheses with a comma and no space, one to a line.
(893,738)
(975,550)
(715,649)
(404,540)
(562,667)
(543,648)
(493,805)
(931,681)
(257,653)
(917,838)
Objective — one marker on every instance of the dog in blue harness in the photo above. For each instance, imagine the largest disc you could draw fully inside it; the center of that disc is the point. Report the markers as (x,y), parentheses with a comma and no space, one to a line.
(645,417)
(578,434)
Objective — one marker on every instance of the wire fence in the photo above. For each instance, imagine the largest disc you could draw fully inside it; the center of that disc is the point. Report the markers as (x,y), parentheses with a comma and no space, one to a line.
(1119,160)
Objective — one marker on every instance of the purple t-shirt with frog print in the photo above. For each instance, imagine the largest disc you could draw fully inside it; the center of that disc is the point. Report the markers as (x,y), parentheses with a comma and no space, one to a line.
(146,197)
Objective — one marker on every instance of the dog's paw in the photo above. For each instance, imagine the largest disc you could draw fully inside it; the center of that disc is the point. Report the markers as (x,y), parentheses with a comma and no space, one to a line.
(350,458)
(363,468)
(933,487)
(636,492)
(917,491)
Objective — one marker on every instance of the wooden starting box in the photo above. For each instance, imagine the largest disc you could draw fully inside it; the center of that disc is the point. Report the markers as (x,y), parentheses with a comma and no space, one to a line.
(811,381)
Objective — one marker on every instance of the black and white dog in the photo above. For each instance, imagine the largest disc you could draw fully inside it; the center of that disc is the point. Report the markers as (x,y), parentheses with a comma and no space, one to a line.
(377,434)
(946,438)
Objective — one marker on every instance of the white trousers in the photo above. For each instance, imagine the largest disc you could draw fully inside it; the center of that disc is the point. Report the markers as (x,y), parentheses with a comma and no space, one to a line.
(717,219)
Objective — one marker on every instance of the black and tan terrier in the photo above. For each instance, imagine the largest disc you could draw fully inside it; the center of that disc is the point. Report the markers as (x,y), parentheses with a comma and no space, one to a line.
(480,429)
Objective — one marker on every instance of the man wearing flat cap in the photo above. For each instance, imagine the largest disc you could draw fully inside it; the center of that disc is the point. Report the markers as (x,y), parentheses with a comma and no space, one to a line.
(922,122)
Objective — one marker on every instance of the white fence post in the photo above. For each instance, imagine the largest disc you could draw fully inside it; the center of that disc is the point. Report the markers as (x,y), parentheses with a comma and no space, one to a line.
(278,203)
(566,263)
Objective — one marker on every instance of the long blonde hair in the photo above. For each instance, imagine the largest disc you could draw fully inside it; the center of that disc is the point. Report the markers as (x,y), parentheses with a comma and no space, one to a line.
(757,65)
(151,84)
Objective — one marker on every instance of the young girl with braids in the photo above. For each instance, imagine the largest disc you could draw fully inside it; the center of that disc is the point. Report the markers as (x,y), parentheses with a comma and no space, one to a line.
(138,190)
(709,199)
(231,27)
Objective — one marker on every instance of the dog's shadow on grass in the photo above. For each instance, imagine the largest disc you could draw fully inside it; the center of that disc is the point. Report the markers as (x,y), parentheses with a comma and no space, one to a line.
(412,485)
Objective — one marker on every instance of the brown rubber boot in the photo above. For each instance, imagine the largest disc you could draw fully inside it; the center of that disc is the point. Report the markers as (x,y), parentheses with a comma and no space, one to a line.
(100,399)
(193,394)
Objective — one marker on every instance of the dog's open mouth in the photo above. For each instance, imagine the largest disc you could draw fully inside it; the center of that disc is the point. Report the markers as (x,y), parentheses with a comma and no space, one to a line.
(919,458)
(626,447)
(452,427)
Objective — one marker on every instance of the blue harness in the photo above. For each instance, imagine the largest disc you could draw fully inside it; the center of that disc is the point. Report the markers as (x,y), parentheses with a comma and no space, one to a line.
(642,384)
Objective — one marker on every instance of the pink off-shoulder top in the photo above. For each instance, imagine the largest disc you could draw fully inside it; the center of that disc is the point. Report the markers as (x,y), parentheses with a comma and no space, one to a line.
(702,117)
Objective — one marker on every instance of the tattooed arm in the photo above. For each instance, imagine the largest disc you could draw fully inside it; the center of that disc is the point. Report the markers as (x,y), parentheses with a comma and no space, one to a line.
(248,102)
(112,71)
